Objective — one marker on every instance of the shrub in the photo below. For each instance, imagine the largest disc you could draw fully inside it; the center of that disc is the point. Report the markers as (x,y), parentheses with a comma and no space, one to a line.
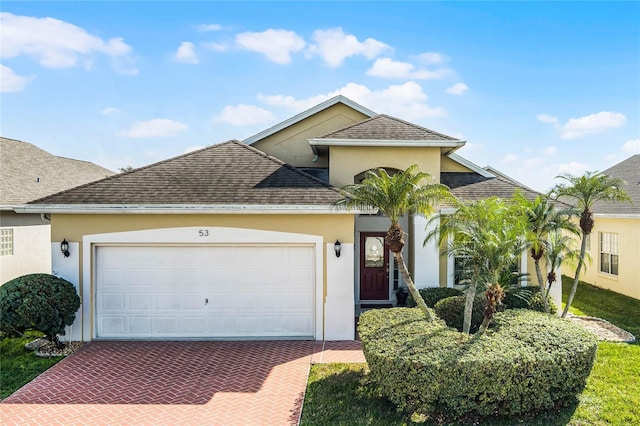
(527,298)
(432,295)
(530,362)
(451,310)
(40,301)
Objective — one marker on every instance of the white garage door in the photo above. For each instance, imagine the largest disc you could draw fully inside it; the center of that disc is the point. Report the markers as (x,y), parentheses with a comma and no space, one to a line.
(205,292)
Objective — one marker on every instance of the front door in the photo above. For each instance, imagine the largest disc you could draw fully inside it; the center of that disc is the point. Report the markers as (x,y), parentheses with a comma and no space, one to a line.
(374,266)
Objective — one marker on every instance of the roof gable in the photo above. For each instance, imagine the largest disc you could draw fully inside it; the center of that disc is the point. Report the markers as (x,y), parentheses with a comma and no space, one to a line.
(306,114)
(468,187)
(28,172)
(230,173)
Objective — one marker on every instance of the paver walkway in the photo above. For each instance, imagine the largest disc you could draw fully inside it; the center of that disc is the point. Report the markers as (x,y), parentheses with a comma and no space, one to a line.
(190,383)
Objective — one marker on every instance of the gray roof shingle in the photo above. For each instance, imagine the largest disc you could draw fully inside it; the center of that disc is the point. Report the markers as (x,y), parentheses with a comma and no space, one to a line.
(28,172)
(384,127)
(629,172)
(469,186)
(230,173)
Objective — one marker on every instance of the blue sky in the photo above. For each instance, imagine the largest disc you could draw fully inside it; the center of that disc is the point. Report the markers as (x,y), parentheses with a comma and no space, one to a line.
(536,88)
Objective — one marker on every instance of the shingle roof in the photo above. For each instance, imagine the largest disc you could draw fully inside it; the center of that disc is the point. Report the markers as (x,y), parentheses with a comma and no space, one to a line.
(28,172)
(473,187)
(384,127)
(230,173)
(628,171)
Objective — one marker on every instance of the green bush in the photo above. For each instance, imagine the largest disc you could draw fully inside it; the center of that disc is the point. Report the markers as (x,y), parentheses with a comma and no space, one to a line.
(527,298)
(432,295)
(38,301)
(451,310)
(528,363)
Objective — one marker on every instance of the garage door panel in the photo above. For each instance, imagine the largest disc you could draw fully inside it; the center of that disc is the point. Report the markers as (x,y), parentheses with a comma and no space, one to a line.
(206,291)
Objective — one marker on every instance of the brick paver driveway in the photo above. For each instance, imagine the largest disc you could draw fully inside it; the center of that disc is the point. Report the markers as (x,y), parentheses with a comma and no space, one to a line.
(213,383)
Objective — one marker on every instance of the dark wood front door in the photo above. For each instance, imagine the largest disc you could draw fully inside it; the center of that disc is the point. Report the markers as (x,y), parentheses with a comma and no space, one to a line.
(374,266)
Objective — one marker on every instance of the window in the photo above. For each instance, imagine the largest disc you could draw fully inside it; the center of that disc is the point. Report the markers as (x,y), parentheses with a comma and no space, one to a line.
(588,245)
(6,242)
(609,253)
(460,274)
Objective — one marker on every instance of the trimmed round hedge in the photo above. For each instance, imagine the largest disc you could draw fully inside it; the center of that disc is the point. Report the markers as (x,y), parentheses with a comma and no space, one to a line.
(40,301)
(431,295)
(529,362)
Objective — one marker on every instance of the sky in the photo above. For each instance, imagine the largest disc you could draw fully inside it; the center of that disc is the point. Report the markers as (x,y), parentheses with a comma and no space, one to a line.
(536,89)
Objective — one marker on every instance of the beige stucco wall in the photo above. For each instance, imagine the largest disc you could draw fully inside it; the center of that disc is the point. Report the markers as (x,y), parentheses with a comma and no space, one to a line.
(31,252)
(627,281)
(291,144)
(348,161)
(448,165)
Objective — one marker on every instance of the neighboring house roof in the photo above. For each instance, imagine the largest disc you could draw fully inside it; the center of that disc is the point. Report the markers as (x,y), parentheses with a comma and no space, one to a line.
(384,127)
(227,174)
(28,172)
(497,172)
(308,113)
(468,187)
(629,172)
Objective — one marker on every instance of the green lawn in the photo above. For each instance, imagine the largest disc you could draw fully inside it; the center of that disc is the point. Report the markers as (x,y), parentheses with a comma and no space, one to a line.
(19,366)
(343,394)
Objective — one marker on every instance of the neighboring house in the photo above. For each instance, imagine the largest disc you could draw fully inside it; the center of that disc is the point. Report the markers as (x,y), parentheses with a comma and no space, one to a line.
(241,239)
(26,173)
(614,243)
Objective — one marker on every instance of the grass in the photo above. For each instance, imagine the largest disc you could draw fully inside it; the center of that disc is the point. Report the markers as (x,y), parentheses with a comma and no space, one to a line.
(344,394)
(19,366)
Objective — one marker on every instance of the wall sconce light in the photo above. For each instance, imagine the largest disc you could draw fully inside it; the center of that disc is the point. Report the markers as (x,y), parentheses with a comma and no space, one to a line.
(337,247)
(64,248)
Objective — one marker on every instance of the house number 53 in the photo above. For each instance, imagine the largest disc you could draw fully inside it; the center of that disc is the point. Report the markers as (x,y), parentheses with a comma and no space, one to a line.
(203,232)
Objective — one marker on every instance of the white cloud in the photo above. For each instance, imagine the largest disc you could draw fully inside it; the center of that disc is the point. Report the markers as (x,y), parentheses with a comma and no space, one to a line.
(510,158)
(276,45)
(631,147)
(457,89)
(550,150)
(432,58)
(546,118)
(573,168)
(216,47)
(533,162)
(388,68)
(110,110)
(186,53)
(156,128)
(592,124)
(59,44)
(334,46)
(406,100)
(205,28)
(244,115)
(11,82)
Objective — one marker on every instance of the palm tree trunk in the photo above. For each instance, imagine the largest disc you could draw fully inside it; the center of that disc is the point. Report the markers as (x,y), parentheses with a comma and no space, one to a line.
(541,285)
(468,307)
(411,287)
(574,287)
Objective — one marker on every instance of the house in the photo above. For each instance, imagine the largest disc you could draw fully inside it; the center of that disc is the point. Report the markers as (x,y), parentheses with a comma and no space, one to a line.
(614,243)
(26,173)
(241,239)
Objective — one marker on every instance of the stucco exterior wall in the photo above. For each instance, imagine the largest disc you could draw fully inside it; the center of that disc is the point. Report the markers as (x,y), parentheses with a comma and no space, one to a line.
(31,252)
(627,281)
(347,162)
(290,144)
(448,165)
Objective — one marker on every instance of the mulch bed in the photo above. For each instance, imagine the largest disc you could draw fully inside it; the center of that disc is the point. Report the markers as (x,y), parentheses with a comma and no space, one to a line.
(603,329)
(47,349)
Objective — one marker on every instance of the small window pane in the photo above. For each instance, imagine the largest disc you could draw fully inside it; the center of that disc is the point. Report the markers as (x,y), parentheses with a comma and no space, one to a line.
(614,264)
(604,262)
(6,242)
(374,252)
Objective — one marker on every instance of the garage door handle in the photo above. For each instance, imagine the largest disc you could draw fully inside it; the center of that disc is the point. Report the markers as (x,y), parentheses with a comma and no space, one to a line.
(206,301)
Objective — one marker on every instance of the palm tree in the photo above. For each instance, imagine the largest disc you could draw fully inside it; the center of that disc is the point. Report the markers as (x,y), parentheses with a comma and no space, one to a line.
(490,236)
(560,248)
(543,220)
(585,190)
(407,192)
